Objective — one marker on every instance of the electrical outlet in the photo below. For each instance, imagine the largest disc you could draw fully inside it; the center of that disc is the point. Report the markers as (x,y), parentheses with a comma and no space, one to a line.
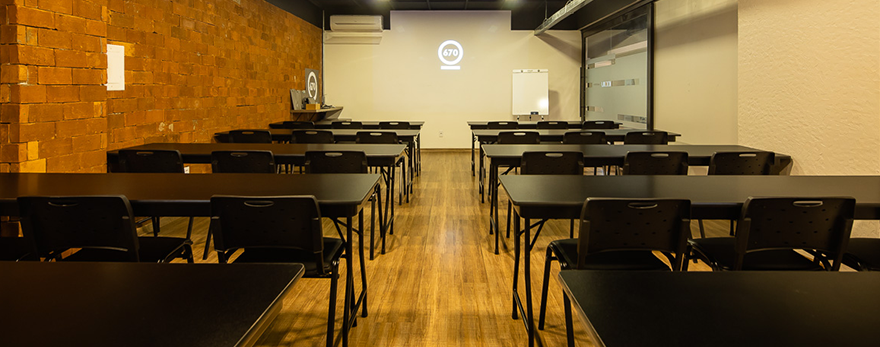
(441,133)
(186,169)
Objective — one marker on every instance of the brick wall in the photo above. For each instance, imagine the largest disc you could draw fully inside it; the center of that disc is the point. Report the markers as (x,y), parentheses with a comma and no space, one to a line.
(192,68)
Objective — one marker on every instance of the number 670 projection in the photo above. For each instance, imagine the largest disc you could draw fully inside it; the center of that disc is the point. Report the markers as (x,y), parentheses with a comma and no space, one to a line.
(450,53)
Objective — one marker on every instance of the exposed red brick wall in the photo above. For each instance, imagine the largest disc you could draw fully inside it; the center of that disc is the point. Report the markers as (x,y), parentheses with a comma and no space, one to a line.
(192,68)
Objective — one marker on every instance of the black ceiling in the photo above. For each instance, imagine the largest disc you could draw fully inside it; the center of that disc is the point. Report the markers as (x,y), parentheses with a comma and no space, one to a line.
(525,14)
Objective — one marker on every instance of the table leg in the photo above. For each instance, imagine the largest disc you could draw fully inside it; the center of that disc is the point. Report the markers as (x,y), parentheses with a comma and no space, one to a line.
(363,263)
(482,187)
(515,267)
(527,277)
(349,286)
(493,208)
(419,154)
(390,217)
(473,166)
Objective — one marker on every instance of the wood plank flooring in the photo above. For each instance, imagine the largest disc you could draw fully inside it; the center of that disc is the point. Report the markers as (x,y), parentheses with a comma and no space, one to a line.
(439,284)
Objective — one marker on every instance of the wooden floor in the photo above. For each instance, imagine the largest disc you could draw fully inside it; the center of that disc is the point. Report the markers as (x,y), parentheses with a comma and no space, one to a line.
(440,284)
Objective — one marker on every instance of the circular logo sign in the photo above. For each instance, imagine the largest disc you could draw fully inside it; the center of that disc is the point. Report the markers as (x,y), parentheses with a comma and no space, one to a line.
(450,52)
(312,85)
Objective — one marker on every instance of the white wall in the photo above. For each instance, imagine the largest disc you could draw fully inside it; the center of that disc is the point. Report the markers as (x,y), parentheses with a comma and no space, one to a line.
(809,72)
(400,78)
(695,79)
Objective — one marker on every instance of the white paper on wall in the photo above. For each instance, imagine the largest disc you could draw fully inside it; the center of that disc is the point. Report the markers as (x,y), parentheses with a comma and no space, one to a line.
(115,67)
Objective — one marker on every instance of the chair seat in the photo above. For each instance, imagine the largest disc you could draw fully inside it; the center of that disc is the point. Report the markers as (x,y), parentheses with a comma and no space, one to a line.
(720,251)
(332,252)
(151,250)
(863,254)
(566,250)
(14,248)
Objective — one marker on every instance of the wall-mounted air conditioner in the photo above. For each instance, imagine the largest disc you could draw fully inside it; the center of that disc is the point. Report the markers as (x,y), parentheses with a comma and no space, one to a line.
(356,23)
(354,30)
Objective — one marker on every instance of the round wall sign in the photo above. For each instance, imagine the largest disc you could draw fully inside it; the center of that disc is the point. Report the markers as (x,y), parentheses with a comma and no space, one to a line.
(450,52)
(312,85)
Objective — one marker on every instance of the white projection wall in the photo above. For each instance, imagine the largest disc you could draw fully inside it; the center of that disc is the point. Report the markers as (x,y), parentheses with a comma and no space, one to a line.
(403,77)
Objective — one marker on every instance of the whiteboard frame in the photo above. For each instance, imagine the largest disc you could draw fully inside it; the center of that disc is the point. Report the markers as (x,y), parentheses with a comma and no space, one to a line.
(529,88)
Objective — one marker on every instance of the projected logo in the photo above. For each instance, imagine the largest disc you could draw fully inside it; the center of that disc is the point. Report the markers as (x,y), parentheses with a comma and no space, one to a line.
(450,53)
(312,85)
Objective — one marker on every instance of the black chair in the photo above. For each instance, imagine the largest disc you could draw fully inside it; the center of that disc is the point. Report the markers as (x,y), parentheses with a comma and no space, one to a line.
(150,161)
(550,124)
(585,138)
(101,227)
(738,163)
(519,137)
(741,163)
(242,162)
(376,137)
(153,161)
(549,163)
(346,125)
(297,125)
(646,138)
(598,124)
(770,229)
(311,136)
(655,163)
(250,136)
(336,162)
(346,162)
(502,125)
(394,125)
(618,235)
(863,254)
(279,230)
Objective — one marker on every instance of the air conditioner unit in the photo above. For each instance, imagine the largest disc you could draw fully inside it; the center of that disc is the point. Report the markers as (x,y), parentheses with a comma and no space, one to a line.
(356,23)
(352,37)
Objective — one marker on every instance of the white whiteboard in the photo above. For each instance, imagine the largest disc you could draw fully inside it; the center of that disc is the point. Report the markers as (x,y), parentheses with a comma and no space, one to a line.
(530,92)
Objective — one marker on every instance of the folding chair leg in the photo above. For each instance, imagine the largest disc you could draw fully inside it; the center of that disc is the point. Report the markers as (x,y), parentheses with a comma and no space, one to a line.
(702,231)
(569,325)
(207,244)
(509,206)
(155,222)
(571,228)
(542,311)
(331,316)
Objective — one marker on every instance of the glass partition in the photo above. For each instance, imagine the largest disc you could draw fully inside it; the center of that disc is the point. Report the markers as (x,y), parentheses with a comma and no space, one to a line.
(617,70)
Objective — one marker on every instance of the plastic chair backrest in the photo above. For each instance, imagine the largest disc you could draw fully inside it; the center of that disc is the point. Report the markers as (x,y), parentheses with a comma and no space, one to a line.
(347,125)
(242,162)
(250,136)
(336,162)
(813,223)
(646,138)
(393,125)
(291,222)
(502,125)
(741,163)
(297,125)
(55,224)
(552,124)
(150,161)
(376,137)
(552,163)
(598,124)
(519,137)
(655,163)
(634,224)
(584,138)
(311,136)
